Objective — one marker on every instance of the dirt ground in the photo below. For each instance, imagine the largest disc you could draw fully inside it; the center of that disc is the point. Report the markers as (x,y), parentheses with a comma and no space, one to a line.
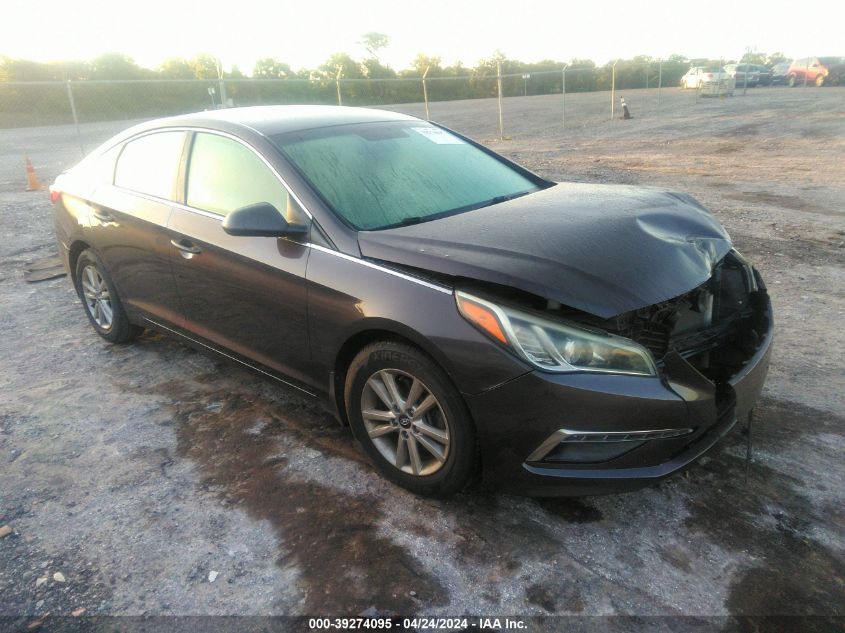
(159,481)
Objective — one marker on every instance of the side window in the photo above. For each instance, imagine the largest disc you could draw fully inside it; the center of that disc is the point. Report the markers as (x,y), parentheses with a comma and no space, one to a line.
(150,164)
(224,175)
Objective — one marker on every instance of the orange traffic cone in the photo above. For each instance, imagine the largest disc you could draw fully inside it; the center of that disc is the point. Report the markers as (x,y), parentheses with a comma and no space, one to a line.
(32,182)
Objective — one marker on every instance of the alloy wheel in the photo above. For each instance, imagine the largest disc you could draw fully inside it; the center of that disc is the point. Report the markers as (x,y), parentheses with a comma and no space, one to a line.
(405,422)
(97,297)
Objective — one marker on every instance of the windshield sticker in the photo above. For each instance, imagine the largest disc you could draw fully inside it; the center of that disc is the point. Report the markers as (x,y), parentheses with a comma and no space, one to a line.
(436,135)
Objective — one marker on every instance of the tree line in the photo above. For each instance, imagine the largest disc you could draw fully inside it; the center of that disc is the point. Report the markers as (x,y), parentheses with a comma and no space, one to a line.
(195,84)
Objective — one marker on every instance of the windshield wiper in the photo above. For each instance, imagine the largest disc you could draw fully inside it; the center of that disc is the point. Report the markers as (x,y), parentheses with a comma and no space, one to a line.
(416,219)
(500,199)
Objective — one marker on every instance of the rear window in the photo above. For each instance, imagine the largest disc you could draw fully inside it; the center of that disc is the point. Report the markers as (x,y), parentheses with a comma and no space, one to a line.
(378,175)
(149,164)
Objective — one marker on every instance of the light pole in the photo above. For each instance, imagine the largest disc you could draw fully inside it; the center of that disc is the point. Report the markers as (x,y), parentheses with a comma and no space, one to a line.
(525,78)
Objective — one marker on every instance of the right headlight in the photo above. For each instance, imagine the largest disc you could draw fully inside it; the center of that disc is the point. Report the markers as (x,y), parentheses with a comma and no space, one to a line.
(554,345)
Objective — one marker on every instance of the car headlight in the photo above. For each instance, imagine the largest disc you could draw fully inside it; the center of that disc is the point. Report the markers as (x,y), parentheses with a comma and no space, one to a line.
(554,345)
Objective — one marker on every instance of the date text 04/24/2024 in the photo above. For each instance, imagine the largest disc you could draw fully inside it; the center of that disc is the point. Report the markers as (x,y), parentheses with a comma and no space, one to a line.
(418,624)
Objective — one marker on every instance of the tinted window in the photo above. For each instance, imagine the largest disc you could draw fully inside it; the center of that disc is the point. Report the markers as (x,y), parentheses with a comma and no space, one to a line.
(224,175)
(150,164)
(376,175)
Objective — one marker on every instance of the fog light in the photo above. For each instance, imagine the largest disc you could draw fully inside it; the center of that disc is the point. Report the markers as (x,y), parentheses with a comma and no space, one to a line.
(589,452)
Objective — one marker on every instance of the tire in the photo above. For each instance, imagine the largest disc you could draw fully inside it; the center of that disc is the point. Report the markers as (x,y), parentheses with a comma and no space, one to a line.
(439,457)
(791,81)
(819,82)
(100,300)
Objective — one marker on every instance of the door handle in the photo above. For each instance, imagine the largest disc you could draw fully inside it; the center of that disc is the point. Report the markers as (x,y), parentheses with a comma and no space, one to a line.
(186,248)
(102,216)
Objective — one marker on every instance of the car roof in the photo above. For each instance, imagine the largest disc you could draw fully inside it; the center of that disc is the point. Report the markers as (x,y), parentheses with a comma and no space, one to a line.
(279,119)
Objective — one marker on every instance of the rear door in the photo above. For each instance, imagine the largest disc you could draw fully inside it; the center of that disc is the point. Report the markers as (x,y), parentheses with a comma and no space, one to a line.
(128,221)
(245,294)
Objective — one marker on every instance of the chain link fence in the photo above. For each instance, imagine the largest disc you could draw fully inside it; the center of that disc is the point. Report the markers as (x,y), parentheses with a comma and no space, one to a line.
(117,103)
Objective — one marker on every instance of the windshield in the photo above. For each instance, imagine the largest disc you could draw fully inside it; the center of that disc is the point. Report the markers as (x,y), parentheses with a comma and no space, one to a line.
(379,175)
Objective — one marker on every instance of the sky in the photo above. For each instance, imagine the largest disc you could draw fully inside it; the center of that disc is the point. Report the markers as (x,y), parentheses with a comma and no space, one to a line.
(305,33)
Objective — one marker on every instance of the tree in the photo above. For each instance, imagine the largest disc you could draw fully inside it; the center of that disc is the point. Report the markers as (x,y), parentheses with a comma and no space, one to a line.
(204,66)
(176,68)
(432,63)
(776,58)
(753,58)
(271,68)
(374,42)
(115,66)
(350,69)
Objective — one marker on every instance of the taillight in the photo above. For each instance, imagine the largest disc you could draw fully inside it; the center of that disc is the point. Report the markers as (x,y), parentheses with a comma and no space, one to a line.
(55,194)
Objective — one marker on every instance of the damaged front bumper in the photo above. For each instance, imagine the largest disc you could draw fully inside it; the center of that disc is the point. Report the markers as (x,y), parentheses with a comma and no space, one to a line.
(614,432)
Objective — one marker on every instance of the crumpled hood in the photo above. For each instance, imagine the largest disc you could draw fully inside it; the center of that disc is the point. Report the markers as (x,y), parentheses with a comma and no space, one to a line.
(602,249)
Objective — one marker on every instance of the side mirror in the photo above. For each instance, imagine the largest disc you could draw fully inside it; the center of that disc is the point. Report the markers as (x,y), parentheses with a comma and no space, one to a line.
(261,220)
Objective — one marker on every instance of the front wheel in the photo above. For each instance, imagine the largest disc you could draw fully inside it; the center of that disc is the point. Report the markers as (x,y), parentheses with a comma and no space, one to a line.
(410,419)
(102,305)
(819,81)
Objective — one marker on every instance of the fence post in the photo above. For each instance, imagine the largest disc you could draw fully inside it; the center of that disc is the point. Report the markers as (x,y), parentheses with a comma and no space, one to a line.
(806,70)
(221,83)
(613,90)
(75,117)
(501,115)
(563,97)
(425,93)
(659,80)
(337,83)
(745,74)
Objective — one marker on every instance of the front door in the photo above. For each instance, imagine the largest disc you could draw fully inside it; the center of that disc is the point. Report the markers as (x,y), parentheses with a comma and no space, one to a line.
(245,294)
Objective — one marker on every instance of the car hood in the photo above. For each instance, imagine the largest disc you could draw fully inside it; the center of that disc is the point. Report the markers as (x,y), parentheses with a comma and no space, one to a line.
(601,249)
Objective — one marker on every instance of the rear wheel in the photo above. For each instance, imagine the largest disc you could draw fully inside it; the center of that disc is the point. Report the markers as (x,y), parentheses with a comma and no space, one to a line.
(102,305)
(791,81)
(410,419)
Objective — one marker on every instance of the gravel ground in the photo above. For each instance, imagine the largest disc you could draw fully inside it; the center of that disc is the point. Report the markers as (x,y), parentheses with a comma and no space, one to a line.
(159,481)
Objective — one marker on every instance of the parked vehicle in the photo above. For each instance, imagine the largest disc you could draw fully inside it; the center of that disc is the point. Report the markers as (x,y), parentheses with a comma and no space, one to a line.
(456,310)
(818,71)
(779,73)
(709,80)
(743,75)
(764,74)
